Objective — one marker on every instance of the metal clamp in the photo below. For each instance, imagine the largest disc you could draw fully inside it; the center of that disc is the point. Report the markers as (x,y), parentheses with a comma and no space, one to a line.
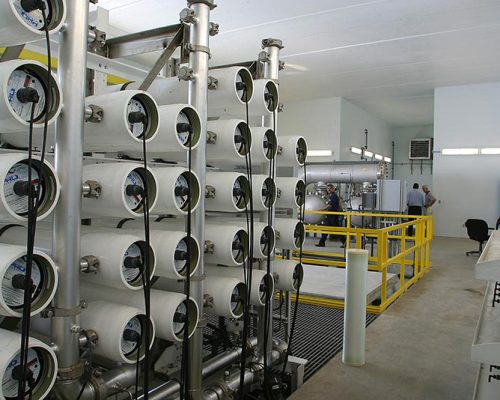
(208,301)
(188,47)
(278,193)
(211,137)
(97,39)
(209,3)
(209,192)
(280,107)
(89,264)
(94,113)
(213,29)
(185,74)
(212,83)
(187,16)
(270,42)
(209,247)
(73,372)
(53,312)
(279,150)
(264,57)
(91,189)
(281,65)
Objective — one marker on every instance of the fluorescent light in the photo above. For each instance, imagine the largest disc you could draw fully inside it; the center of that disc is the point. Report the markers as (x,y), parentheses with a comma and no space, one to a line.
(463,151)
(368,153)
(490,150)
(379,157)
(356,150)
(387,159)
(319,153)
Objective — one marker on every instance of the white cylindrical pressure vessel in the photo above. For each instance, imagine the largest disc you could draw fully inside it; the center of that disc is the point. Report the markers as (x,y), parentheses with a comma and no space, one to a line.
(265,97)
(179,124)
(234,88)
(232,191)
(42,363)
(121,256)
(13,264)
(177,187)
(264,238)
(262,285)
(348,172)
(122,189)
(263,192)
(168,310)
(19,25)
(293,151)
(316,203)
(264,145)
(291,192)
(171,248)
(128,117)
(288,275)
(230,244)
(353,352)
(228,140)
(16,77)
(121,330)
(226,295)
(14,168)
(290,233)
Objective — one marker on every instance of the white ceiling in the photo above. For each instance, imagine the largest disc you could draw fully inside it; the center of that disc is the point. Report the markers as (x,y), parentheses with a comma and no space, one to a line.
(385,55)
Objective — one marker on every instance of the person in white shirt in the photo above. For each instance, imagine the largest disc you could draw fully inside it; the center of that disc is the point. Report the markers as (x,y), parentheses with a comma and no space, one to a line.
(429,200)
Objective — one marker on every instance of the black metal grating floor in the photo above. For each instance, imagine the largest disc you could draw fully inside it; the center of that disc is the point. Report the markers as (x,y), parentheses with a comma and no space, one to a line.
(318,335)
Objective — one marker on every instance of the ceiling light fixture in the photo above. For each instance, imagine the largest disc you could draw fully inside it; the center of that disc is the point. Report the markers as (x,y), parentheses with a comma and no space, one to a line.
(490,150)
(356,150)
(319,153)
(462,151)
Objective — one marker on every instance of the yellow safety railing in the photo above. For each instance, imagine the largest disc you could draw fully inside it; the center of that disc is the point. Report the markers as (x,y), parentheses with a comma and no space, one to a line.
(394,247)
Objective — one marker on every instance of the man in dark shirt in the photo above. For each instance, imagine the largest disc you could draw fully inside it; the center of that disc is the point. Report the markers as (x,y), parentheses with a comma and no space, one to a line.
(332,204)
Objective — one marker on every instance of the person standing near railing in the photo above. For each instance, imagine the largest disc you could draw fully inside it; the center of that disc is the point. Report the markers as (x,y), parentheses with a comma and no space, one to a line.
(332,204)
(415,203)
(429,200)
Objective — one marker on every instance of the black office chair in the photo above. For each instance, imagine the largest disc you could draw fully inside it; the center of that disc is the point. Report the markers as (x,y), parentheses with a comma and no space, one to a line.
(477,229)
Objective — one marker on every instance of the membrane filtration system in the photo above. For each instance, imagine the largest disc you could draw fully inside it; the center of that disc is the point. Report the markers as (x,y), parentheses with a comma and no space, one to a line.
(139,249)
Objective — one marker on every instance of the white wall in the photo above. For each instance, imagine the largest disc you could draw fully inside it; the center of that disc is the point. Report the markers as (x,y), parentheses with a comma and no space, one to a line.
(318,120)
(422,171)
(468,186)
(353,122)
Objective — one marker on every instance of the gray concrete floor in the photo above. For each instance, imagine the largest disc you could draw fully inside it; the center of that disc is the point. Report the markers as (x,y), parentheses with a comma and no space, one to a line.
(419,349)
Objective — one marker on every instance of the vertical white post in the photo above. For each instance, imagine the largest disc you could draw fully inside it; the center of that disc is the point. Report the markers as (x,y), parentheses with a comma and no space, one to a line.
(355,307)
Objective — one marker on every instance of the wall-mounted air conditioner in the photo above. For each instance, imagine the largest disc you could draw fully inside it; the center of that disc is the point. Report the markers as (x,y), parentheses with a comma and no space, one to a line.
(420,149)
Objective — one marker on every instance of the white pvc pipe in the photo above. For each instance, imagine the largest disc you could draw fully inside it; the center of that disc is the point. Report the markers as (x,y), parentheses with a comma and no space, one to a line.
(293,151)
(289,233)
(221,292)
(264,145)
(227,99)
(19,27)
(262,285)
(114,132)
(224,237)
(42,362)
(14,168)
(164,306)
(224,146)
(110,320)
(14,115)
(171,179)
(260,104)
(44,277)
(291,192)
(288,275)
(225,184)
(113,200)
(353,352)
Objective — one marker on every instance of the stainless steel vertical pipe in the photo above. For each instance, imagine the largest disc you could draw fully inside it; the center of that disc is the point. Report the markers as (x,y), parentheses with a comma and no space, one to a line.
(198,98)
(271,71)
(68,164)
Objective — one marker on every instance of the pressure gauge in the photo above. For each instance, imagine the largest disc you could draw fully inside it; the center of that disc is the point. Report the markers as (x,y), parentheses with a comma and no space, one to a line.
(180,318)
(132,335)
(137,117)
(134,189)
(19,79)
(11,377)
(15,187)
(184,129)
(13,283)
(33,18)
(133,262)
(180,256)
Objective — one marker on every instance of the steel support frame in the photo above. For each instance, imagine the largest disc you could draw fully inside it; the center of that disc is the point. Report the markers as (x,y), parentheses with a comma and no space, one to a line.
(67,216)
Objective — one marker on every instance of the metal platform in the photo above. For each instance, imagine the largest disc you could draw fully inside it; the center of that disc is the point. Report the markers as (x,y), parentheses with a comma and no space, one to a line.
(318,335)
